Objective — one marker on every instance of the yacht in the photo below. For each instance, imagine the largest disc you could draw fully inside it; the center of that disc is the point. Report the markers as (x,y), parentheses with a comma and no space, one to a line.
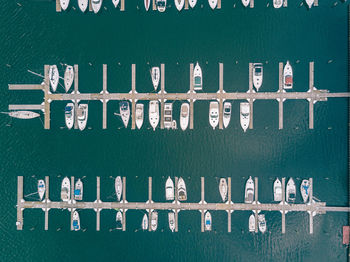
(290,191)
(144,224)
(244,115)
(245,2)
(153,113)
(309,3)
(197,78)
(69,115)
(64,4)
(262,223)
(227,114)
(249,191)
(277,3)
(181,190)
(171,218)
(257,75)
(304,189)
(118,187)
(65,189)
(252,223)
(82,116)
(213,3)
(155,74)
(124,110)
(147,4)
(83,4)
(22,114)
(76,221)
(214,114)
(68,77)
(54,77)
(41,189)
(139,115)
(154,220)
(277,190)
(179,4)
(168,115)
(169,189)
(207,221)
(161,5)
(119,220)
(184,115)
(223,189)
(78,190)
(192,3)
(287,76)
(115,3)
(96,5)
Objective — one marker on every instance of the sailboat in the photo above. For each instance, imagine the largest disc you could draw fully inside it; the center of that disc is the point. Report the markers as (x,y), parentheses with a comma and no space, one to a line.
(82,115)
(147,4)
(213,3)
(192,3)
(304,189)
(154,220)
(171,218)
(83,4)
(223,189)
(309,3)
(139,115)
(54,77)
(115,3)
(22,114)
(68,77)
(144,223)
(124,110)
(155,75)
(69,115)
(41,188)
(118,187)
(179,4)
(64,4)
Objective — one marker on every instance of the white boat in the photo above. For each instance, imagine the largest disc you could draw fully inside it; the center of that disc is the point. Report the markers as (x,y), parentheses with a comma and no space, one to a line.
(118,187)
(262,223)
(168,115)
(179,4)
(78,190)
(76,221)
(147,4)
(82,116)
(169,189)
(223,189)
(245,2)
(249,191)
(171,218)
(277,3)
(287,76)
(54,77)
(83,4)
(184,115)
(153,113)
(207,221)
(181,190)
(213,3)
(155,75)
(69,115)
(304,189)
(277,190)
(64,4)
(124,110)
(197,78)
(257,75)
(214,114)
(68,77)
(144,224)
(244,115)
(96,5)
(119,220)
(252,223)
(309,3)
(22,114)
(290,191)
(115,3)
(161,5)
(65,189)
(154,220)
(192,3)
(41,188)
(139,115)
(227,114)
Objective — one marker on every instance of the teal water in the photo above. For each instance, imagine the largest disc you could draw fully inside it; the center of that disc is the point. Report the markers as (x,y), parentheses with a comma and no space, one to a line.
(33,34)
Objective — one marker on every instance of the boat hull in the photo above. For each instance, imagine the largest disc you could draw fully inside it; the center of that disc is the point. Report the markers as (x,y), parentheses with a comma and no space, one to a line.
(147,4)
(68,78)
(171,219)
(179,4)
(54,77)
(213,3)
(83,4)
(139,115)
(64,4)
(192,3)
(214,114)
(96,5)
(82,116)
(244,115)
(223,189)
(287,76)
(78,191)
(207,221)
(24,114)
(69,115)
(249,191)
(153,113)
(41,189)
(181,190)
(184,116)
(65,190)
(118,187)
(197,78)
(226,118)
(169,189)
(277,3)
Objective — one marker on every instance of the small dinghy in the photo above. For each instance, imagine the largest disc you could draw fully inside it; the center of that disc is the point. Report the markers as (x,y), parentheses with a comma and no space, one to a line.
(184,115)
(83,4)
(147,4)
(154,220)
(54,77)
(213,3)
(115,3)
(41,189)
(277,190)
(78,190)
(223,189)
(277,3)
(139,115)
(207,221)
(76,221)
(227,114)
(82,116)
(304,189)
(290,191)
(155,75)
(144,224)
(179,4)
(65,190)
(245,2)
(244,115)
(69,115)
(214,114)
(171,218)
(192,3)
(288,76)
(252,223)
(68,78)
(118,187)
(169,189)
(22,114)
(262,223)
(119,220)
(64,4)
(96,5)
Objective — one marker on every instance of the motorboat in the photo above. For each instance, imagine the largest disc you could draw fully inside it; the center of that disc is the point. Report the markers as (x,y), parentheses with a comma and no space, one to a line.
(169,189)
(124,110)
(153,113)
(82,116)
(304,189)
(213,3)
(64,4)
(227,114)
(184,115)
(287,76)
(115,3)
(257,75)
(69,115)
(192,3)
(76,221)
(179,4)
(197,78)
(290,191)
(161,5)
(181,190)
(277,3)
(244,115)
(262,223)
(171,218)
(119,220)
(144,224)
(139,115)
(252,223)
(41,188)
(22,114)
(118,187)
(154,220)
(245,2)
(168,115)
(83,4)
(277,190)
(68,77)
(249,191)
(78,190)
(207,221)
(155,75)
(309,3)
(223,189)
(147,3)
(214,114)
(65,189)
(96,5)
(54,77)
